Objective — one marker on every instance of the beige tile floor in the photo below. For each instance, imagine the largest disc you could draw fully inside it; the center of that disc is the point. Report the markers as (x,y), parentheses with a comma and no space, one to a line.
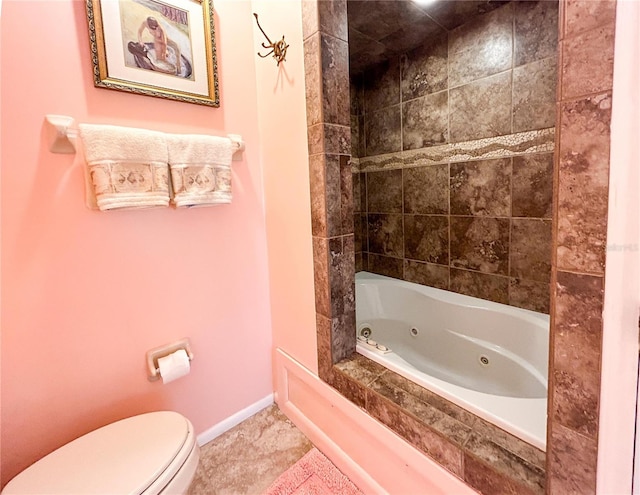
(246,459)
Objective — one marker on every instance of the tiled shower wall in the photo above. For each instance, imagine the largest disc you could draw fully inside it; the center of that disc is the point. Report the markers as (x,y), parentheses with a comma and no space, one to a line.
(453,149)
(586,48)
(581,250)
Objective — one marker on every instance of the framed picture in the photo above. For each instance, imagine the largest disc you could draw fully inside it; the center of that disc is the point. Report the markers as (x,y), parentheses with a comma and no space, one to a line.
(163,48)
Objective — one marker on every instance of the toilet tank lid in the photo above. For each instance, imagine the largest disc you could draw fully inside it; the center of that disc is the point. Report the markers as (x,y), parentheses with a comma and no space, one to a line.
(124,457)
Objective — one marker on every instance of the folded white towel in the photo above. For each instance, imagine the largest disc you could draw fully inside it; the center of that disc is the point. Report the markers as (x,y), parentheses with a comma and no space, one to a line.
(200,169)
(128,167)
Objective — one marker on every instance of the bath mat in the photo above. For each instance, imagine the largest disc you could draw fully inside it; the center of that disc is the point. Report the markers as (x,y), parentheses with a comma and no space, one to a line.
(313,474)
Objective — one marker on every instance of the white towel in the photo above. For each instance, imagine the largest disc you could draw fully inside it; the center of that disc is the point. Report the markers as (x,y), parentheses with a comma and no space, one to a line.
(200,169)
(127,167)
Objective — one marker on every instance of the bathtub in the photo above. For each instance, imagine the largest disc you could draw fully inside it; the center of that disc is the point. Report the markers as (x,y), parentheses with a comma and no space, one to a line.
(489,358)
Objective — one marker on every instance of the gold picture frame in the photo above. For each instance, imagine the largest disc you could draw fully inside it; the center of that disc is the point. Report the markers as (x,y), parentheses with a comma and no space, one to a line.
(162,48)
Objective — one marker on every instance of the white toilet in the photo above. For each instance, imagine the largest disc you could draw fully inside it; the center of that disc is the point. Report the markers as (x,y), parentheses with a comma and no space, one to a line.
(150,454)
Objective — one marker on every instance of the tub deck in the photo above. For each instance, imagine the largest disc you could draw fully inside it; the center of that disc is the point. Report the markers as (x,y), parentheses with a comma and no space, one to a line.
(488,358)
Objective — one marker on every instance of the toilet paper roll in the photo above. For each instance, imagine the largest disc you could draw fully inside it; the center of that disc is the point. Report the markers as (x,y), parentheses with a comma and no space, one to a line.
(174,366)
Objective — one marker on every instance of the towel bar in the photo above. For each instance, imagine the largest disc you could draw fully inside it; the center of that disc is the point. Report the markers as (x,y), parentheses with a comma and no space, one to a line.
(62,136)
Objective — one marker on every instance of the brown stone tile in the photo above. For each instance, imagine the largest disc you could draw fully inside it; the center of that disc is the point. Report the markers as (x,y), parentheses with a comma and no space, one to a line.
(452,429)
(382,132)
(577,351)
(572,462)
(481,244)
(406,401)
(312,80)
(323,336)
(384,19)
(357,136)
(490,287)
(364,233)
(384,265)
(384,233)
(481,109)
(364,52)
(361,369)
(530,249)
(413,33)
(573,405)
(351,389)
(343,329)
(444,452)
(332,139)
(389,381)
(481,47)
(536,30)
(454,14)
(424,70)
(357,232)
(346,196)
(426,238)
(426,189)
(361,142)
(448,408)
(382,86)
(486,480)
(529,294)
(384,191)
(357,192)
(365,260)
(410,397)
(332,18)
(532,186)
(310,22)
(334,59)
(534,95)
(359,262)
(583,184)
(317,185)
(527,452)
(582,15)
(425,121)
(321,276)
(426,274)
(587,62)
(315,139)
(481,188)
(356,94)
(507,463)
(333,194)
(363,192)
(341,275)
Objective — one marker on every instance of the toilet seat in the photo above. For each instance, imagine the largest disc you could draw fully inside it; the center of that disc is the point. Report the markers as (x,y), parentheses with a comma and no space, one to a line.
(140,455)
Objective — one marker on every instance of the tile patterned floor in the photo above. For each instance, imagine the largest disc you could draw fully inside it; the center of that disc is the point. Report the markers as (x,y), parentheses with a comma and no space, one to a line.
(248,458)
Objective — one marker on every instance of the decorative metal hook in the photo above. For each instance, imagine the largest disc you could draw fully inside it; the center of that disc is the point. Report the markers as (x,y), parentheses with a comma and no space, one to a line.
(279,48)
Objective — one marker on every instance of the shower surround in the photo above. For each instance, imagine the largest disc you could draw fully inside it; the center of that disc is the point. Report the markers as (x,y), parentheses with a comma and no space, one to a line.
(452,146)
(586,47)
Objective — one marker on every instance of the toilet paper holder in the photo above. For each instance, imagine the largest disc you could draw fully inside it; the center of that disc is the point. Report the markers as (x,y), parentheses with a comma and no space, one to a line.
(159,352)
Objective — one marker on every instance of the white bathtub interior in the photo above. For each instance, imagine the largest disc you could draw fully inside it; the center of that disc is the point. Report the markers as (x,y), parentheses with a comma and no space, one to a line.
(489,358)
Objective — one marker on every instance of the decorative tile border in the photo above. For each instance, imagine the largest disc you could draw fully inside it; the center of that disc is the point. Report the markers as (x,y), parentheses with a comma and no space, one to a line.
(539,141)
(355,165)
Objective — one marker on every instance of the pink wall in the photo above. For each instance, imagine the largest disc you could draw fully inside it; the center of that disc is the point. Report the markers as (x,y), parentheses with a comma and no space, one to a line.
(84,293)
(284,152)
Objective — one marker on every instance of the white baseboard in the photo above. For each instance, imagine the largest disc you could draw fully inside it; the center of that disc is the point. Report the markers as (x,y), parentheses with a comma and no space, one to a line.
(233,420)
